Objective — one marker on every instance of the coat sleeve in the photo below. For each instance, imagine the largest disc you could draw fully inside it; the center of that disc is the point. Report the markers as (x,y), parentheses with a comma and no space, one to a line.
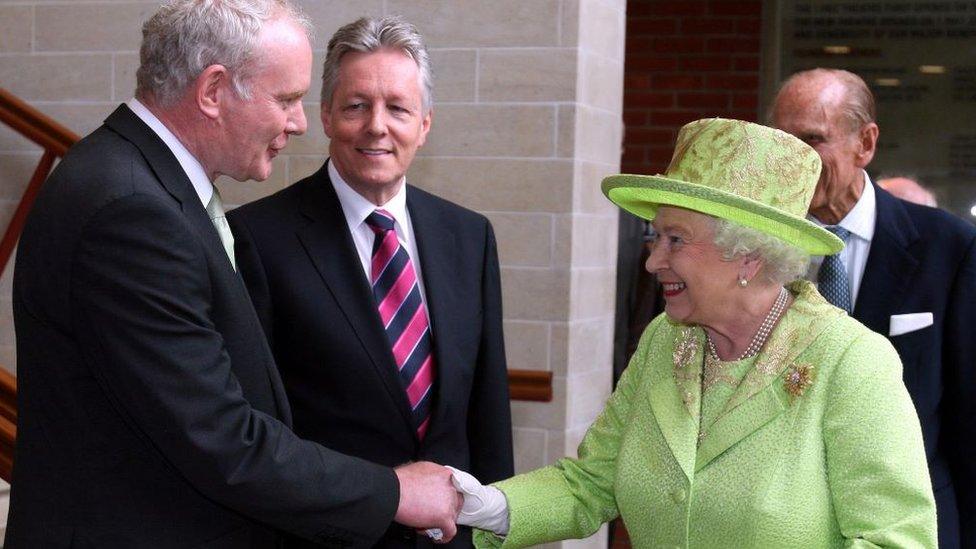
(489,412)
(876,468)
(959,365)
(574,497)
(142,298)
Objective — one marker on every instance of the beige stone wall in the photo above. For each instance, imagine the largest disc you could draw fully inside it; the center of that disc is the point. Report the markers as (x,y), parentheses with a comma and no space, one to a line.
(526,123)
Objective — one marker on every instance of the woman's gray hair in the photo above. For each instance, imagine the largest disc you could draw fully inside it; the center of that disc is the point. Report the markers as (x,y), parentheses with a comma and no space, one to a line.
(782,262)
(369,34)
(186,36)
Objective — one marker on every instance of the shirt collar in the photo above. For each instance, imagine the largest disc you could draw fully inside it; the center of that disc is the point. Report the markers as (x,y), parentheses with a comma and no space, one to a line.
(194,170)
(357,208)
(860,220)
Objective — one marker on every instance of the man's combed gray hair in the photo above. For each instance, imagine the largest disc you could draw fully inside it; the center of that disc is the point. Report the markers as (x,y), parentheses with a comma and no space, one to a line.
(783,262)
(857,106)
(186,36)
(370,34)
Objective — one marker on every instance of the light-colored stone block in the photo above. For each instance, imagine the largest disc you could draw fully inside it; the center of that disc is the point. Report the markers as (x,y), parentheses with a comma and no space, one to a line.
(16,170)
(124,67)
(454,75)
(601,29)
(6,320)
(590,197)
(86,77)
(574,437)
(530,449)
(595,240)
(542,415)
(91,26)
(8,358)
(15,28)
(314,94)
(593,293)
(81,119)
(313,141)
(587,394)
(527,345)
(569,22)
(468,23)
(497,184)
(302,166)
(547,74)
(562,245)
(599,134)
(590,347)
(328,15)
(7,279)
(559,347)
(566,131)
(601,82)
(523,239)
(535,294)
(492,130)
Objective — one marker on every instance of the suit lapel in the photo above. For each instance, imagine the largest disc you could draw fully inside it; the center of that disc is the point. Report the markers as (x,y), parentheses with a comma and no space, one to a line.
(330,248)
(761,395)
(675,395)
(436,246)
(890,266)
(171,177)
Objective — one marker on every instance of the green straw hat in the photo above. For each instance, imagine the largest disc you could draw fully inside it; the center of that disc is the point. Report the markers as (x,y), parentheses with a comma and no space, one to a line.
(752,175)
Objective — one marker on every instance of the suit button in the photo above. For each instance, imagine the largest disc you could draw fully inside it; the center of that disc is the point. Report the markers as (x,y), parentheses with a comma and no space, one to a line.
(678,496)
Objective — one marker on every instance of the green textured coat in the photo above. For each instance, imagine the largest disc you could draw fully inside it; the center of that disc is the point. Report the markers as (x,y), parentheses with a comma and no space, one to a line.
(819,446)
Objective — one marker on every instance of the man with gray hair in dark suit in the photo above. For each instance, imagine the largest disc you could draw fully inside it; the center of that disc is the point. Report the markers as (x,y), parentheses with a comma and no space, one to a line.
(151,413)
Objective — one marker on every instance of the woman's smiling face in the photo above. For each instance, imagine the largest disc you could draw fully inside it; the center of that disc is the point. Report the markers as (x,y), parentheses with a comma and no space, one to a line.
(697,280)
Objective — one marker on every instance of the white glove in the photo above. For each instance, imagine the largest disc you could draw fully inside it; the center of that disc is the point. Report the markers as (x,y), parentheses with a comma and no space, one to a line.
(484,507)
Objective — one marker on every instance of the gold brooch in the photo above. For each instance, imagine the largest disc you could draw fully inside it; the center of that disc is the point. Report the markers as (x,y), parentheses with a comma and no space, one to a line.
(798,378)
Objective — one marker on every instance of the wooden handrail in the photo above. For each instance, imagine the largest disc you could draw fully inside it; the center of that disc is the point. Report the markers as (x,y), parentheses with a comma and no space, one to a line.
(8,422)
(35,125)
(54,138)
(530,385)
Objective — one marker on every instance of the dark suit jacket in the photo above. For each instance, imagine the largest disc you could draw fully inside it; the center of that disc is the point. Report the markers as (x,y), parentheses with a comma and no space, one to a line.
(150,410)
(307,283)
(924,260)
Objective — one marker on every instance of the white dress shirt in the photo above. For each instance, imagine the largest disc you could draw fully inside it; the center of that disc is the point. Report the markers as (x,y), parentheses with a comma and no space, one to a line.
(860,222)
(356,209)
(194,170)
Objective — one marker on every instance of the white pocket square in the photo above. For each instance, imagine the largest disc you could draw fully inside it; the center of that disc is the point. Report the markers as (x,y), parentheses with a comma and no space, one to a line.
(902,324)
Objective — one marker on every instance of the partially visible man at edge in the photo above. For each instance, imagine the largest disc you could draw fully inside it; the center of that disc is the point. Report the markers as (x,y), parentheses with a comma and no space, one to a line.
(381,302)
(907,272)
(151,411)
(908,188)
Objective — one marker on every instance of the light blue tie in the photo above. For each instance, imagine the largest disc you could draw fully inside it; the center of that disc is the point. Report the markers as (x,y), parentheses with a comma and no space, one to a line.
(832,281)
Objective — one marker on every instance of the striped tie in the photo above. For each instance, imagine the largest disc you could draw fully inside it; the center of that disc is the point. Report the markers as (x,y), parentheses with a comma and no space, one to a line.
(404,316)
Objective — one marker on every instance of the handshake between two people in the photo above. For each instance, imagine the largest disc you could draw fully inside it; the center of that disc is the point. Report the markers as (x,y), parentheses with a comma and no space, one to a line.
(435,499)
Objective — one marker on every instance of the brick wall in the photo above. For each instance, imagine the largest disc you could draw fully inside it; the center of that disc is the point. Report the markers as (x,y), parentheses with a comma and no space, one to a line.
(686,60)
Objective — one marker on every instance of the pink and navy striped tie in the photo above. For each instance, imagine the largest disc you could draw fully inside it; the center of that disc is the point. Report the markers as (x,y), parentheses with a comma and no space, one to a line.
(404,316)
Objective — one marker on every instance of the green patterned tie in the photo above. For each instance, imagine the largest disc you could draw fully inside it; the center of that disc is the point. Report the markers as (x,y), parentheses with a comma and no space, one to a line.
(215,209)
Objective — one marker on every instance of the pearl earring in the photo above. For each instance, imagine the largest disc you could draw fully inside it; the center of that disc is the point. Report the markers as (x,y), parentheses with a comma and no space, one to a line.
(743,282)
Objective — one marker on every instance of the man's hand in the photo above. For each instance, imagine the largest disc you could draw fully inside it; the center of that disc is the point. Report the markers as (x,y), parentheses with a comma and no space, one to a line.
(428,498)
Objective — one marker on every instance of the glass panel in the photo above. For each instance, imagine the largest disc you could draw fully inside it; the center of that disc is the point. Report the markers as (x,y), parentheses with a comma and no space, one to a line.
(919,58)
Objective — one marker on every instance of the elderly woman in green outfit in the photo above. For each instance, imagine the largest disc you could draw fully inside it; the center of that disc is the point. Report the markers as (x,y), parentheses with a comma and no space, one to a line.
(754,413)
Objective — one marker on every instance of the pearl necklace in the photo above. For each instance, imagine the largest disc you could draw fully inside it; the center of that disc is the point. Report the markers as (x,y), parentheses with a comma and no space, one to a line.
(765,329)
